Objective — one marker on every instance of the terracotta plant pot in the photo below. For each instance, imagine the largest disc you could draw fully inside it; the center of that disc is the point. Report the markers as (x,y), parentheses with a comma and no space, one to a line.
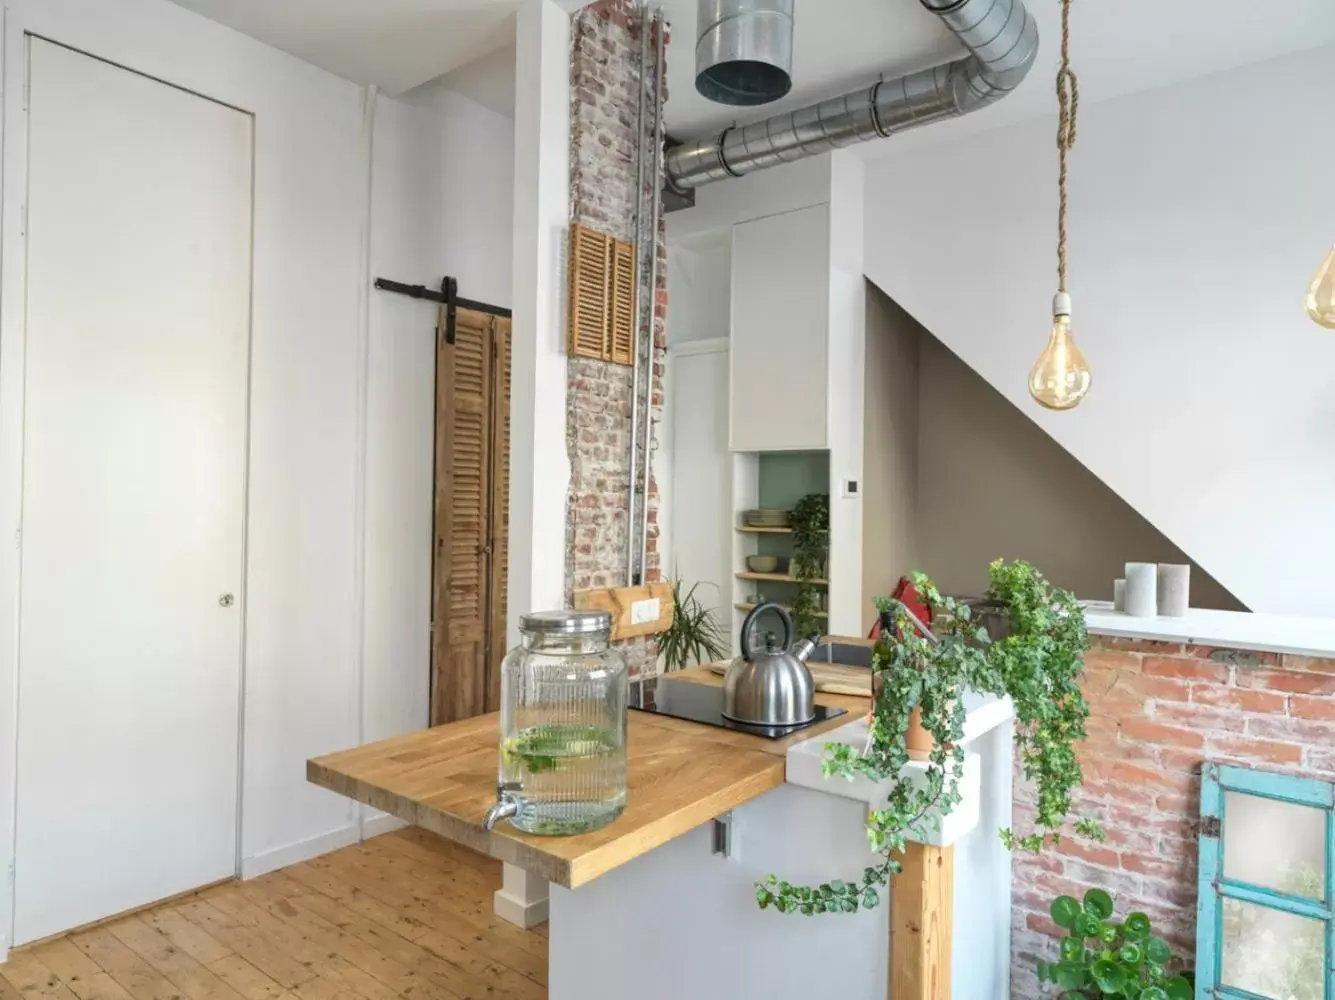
(917,740)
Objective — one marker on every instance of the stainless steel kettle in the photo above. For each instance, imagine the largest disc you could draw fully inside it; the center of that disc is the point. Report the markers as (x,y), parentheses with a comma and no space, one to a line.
(771,687)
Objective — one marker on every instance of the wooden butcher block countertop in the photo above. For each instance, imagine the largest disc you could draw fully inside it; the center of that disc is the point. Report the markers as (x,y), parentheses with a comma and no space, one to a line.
(681,774)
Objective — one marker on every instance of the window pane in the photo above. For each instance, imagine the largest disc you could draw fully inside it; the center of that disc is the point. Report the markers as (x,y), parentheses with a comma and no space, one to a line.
(1276,845)
(1273,954)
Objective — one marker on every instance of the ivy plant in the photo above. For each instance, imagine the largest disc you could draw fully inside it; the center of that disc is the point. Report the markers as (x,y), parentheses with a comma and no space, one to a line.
(1101,957)
(811,545)
(1037,664)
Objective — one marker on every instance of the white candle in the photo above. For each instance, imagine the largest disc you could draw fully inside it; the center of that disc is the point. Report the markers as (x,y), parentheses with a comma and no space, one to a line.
(1142,600)
(1174,590)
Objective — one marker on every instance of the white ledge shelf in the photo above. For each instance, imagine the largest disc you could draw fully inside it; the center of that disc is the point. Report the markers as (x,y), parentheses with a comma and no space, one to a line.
(982,715)
(1232,629)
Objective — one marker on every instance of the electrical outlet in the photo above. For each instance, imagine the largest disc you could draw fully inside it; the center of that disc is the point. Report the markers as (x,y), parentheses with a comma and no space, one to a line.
(644,612)
(851,491)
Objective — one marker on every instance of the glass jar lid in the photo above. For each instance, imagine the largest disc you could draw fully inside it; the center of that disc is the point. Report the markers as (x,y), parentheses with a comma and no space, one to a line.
(566,622)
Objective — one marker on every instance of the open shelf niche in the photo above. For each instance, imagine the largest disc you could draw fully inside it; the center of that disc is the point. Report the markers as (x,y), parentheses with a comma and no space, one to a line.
(777,480)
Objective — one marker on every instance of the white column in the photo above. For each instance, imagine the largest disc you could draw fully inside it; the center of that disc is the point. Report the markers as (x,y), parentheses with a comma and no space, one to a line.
(848,338)
(539,465)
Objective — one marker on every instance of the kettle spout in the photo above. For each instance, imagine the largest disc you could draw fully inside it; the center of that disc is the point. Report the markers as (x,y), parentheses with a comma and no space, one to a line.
(803,648)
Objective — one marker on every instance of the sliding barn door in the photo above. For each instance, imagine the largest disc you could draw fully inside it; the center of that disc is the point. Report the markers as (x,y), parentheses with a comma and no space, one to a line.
(472,502)
(500,508)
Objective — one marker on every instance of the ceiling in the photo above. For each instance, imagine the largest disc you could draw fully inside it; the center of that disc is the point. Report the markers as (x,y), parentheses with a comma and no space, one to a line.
(1119,47)
(489,80)
(394,44)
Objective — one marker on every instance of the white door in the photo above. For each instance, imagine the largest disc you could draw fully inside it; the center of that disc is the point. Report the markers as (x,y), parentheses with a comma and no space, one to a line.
(138,292)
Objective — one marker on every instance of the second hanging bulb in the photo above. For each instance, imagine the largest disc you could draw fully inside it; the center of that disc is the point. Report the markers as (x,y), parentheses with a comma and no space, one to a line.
(1061,376)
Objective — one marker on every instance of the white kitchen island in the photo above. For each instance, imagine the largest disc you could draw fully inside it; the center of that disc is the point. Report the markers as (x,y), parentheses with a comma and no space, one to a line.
(661,904)
(682,921)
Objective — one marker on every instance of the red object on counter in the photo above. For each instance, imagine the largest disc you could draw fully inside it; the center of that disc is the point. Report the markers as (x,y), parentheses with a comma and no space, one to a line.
(907,593)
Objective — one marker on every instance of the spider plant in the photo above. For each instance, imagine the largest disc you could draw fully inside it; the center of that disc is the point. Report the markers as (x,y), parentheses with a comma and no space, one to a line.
(695,635)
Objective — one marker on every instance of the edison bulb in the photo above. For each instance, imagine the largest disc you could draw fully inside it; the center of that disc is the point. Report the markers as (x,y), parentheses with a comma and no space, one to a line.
(1061,377)
(1321,296)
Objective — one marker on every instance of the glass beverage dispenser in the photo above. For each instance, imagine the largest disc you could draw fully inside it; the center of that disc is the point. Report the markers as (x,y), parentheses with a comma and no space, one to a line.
(563,726)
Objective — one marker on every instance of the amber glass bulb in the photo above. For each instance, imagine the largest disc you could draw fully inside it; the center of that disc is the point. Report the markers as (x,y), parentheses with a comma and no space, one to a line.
(1321,296)
(1060,377)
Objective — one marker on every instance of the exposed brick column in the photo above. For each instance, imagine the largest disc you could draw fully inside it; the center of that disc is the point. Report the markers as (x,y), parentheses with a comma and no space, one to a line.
(1158,711)
(605,72)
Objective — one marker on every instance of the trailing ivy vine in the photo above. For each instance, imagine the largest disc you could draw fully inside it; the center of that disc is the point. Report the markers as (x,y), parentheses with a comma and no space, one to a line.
(811,545)
(1037,665)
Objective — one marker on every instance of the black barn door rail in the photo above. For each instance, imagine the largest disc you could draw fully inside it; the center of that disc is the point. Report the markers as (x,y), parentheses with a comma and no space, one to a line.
(448,296)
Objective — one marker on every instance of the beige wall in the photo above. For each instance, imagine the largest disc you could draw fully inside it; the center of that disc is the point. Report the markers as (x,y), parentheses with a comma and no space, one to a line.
(989,483)
(890,537)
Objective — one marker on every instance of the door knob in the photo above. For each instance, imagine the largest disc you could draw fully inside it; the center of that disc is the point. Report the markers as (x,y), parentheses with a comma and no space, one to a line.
(226,600)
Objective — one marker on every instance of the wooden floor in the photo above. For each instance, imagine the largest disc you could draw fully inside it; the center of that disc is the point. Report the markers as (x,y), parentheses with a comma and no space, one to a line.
(405,915)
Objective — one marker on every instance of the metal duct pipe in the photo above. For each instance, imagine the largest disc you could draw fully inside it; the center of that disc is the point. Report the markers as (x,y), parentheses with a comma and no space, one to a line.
(744,53)
(1002,39)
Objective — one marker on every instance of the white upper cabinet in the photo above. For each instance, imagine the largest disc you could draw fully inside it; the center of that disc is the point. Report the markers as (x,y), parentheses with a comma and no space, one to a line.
(780,332)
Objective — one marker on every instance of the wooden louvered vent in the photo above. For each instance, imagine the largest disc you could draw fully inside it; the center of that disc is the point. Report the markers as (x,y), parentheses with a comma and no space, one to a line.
(602,296)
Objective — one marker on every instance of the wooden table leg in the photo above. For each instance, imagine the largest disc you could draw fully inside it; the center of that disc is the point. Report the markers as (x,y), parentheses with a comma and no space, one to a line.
(921,915)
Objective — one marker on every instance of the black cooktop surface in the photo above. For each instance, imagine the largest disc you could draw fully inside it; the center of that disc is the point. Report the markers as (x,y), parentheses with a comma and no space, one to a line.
(704,704)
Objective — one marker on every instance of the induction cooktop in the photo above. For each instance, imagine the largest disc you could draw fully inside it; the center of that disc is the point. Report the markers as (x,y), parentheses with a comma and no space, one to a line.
(703,703)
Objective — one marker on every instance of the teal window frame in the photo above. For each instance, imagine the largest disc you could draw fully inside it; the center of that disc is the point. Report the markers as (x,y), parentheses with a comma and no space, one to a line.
(1216,780)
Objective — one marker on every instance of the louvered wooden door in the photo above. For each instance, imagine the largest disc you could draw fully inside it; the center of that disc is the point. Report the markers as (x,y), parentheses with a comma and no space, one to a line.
(471,515)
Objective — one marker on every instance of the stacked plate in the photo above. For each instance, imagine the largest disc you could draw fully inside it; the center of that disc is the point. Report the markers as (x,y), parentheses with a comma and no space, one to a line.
(767,518)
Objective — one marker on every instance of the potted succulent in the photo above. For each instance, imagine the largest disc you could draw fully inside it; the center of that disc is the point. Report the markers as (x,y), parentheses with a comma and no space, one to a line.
(920,676)
(1102,957)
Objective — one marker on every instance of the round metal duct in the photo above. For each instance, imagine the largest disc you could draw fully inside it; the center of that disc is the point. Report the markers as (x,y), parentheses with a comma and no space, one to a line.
(744,54)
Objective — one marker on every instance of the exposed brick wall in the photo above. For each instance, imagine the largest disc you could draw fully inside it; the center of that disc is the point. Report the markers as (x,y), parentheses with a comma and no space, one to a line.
(1158,710)
(605,75)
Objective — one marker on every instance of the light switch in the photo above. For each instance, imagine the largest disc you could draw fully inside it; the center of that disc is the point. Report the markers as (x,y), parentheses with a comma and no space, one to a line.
(644,612)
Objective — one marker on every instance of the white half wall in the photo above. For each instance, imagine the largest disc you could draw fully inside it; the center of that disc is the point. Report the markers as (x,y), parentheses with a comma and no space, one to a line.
(1198,215)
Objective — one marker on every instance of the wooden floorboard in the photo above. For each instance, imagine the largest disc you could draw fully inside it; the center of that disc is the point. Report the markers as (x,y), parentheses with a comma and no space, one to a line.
(405,916)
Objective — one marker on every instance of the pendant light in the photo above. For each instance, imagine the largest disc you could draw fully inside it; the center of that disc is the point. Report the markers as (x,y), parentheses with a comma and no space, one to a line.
(1321,296)
(1061,377)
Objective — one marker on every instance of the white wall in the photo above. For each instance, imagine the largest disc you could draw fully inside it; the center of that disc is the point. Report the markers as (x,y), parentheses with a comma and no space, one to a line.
(699,288)
(1198,214)
(311,370)
(441,204)
(301,677)
(474,189)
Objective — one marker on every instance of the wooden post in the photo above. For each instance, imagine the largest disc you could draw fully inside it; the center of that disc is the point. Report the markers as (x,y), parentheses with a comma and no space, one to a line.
(921,912)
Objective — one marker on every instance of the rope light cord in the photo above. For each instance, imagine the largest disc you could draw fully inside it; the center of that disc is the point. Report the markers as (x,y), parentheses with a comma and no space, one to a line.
(1068,104)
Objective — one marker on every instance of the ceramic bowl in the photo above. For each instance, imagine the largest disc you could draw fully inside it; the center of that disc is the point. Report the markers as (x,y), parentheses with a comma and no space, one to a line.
(762,564)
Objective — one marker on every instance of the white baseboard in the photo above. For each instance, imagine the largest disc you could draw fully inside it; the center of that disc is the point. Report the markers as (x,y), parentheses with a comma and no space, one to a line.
(302,850)
(375,823)
(521,914)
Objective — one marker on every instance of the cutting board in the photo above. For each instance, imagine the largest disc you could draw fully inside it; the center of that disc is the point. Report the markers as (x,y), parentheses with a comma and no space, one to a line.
(830,678)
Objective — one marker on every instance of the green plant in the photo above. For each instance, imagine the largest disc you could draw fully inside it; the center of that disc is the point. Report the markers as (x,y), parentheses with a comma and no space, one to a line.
(695,635)
(1037,665)
(1101,957)
(811,546)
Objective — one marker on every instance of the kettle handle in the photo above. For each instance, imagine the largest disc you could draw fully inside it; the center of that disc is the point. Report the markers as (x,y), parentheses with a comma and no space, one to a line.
(751,619)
